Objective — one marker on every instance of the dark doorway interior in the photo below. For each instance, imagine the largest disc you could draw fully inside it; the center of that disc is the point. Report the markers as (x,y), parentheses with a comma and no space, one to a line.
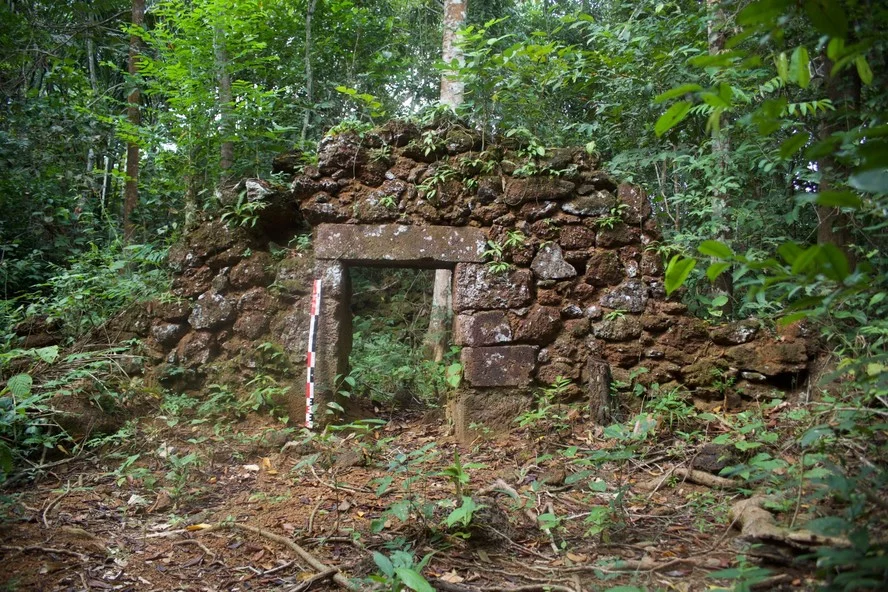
(389,366)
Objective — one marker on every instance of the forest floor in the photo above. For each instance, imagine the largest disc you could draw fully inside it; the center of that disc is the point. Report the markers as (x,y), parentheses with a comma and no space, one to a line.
(182,503)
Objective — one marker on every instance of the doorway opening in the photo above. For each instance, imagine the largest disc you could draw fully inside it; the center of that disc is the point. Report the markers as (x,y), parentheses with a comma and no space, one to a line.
(392,370)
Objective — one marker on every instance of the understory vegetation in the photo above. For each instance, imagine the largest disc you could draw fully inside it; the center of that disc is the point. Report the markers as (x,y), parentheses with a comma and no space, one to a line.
(758,130)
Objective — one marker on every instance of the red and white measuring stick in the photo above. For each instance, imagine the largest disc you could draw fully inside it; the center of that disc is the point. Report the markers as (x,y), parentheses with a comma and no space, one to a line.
(312,353)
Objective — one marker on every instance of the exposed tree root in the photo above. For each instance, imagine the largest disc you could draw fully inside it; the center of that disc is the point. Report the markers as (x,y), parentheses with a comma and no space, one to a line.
(692,475)
(758,524)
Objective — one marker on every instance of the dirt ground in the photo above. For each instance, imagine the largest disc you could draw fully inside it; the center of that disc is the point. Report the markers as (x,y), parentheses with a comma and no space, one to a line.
(175,504)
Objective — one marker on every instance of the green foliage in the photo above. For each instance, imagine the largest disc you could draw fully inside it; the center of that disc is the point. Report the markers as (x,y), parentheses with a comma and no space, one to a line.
(401,570)
(243,212)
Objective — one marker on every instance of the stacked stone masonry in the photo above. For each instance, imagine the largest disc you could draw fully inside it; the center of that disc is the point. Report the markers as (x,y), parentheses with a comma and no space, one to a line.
(555,271)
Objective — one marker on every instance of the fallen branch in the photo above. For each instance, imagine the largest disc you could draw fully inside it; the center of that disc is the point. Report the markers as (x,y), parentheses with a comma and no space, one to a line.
(80,556)
(692,475)
(310,559)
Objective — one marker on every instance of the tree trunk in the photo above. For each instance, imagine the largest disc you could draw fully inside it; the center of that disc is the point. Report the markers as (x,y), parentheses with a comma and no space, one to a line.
(309,77)
(226,152)
(452,89)
(134,115)
(834,226)
(435,340)
(721,150)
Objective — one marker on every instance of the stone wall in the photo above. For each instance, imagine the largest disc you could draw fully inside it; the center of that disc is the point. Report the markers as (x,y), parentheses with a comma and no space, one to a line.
(555,274)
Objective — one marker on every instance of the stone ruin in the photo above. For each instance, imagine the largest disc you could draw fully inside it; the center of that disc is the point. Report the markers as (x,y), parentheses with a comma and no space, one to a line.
(555,274)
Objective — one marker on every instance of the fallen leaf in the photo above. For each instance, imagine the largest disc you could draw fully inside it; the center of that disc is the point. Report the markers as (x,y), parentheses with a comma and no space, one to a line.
(251,468)
(201,526)
(577,558)
(452,577)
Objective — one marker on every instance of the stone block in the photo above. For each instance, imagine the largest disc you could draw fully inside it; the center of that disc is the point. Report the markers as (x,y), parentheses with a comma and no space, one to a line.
(631,297)
(482,328)
(540,326)
(211,311)
(398,244)
(505,365)
(537,189)
(549,264)
(478,287)
(595,203)
(622,328)
(577,237)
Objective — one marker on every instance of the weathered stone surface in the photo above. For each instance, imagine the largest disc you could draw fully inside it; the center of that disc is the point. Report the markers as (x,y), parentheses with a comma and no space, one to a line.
(174,312)
(318,209)
(734,333)
(168,334)
(254,299)
(577,237)
(489,188)
(596,203)
(536,189)
(771,357)
(533,211)
(197,348)
(341,152)
(293,276)
(625,354)
(637,200)
(506,365)
(399,244)
(618,236)
(478,287)
(251,324)
(253,271)
(651,264)
(211,311)
(193,281)
(656,323)
(540,326)
(621,328)
(482,328)
(631,296)
(704,372)
(550,373)
(712,458)
(549,264)
(604,268)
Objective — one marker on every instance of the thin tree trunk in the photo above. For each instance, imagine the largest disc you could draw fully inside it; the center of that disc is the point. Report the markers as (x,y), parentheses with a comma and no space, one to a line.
(833,226)
(721,150)
(309,76)
(134,115)
(226,153)
(452,89)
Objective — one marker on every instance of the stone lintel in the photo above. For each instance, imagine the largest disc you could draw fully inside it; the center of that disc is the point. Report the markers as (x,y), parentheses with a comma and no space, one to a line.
(505,365)
(398,244)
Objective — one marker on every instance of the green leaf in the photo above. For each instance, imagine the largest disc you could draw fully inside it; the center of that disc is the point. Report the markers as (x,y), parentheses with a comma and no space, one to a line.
(762,12)
(782,64)
(795,143)
(678,91)
(836,262)
(832,199)
(716,269)
(20,385)
(383,563)
(6,463)
(413,579)
(805,259)
(716,249)
(827,16)
(874,181)
(798,67)
(863,70)
(673,116)
(677,272)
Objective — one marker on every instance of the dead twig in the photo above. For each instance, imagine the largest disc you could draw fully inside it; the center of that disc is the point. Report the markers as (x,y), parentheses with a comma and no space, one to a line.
(324,575)
(80,556)
(337,486)
(313,561)
(54,503)
(196,543)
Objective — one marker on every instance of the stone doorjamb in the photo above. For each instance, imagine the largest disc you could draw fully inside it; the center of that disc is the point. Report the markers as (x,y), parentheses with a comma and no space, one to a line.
(340,246)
